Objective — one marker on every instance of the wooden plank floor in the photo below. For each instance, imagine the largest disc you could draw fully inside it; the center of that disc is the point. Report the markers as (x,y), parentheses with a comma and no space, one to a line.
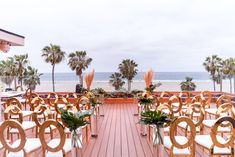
(118,134)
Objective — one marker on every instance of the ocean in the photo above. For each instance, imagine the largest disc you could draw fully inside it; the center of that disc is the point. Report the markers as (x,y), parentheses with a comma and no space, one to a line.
(104,76)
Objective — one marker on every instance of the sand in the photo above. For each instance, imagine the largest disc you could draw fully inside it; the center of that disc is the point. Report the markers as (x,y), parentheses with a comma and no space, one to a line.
(69,86)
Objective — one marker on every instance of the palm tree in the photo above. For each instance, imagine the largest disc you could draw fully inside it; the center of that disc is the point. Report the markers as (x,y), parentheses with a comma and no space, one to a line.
(21,62)
(8,71)
(79,61)
(128,69)
(211,65)
(116,80)
(54,55)
(227,68)
(32,77)
(188,85)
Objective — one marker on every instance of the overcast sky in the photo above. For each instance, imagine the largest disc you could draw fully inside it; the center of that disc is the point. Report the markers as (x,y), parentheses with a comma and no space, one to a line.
(160,34)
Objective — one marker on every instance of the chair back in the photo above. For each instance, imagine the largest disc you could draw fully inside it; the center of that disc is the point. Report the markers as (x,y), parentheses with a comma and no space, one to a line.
(163,95)
(175,99)
(13,124)
(214,131)
(197,113)
(35,102)
(44,142)
(207,96)
(13,110)
(223,99)
(29,97)
(225,108)
(185,98)
(43,110)
(173,132)
(14,101)
(52,98)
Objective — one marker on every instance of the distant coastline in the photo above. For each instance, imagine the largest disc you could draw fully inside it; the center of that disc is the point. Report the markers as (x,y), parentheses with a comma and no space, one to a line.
(104,76)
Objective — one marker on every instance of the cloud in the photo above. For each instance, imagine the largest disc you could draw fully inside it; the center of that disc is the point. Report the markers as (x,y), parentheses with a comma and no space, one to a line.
(164,35)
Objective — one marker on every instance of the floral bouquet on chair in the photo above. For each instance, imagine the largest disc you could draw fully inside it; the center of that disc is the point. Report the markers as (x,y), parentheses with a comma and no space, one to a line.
(159,120)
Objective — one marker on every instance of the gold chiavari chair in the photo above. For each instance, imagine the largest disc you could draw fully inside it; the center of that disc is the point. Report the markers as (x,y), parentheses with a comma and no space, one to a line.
(175,100)
(225,109)
(185,99)
(41,114)
(177,145)
(16,102)
(216,144)
(29,99)
(57,147)
(207,97)
(163,96)
(221,100)
(14,110)
(23,146)
(198,110)
(51,99)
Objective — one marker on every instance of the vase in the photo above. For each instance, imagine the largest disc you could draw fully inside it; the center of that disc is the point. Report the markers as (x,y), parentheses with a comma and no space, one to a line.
(158,140)
(94,123)
(143,127)
(76,138)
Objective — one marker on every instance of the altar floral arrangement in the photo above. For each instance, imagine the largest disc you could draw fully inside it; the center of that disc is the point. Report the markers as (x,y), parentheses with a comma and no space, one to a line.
(146,99)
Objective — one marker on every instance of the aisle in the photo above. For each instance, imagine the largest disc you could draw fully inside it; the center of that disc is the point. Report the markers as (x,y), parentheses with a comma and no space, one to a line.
(118,135)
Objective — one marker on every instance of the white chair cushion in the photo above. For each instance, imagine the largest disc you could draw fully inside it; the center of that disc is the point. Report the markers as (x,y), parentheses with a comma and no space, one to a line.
(211,110)
(24,113)
(205,141)
(54,142)
(31,145)
(180,140)
(176,104)
(26,125)
(184,124)
(210,123)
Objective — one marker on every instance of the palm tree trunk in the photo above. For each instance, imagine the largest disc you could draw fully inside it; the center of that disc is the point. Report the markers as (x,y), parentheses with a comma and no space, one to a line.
(221,85)
(21,81)
(214,85)
(129,85)
(81,80)
(234,84)
(15,82)
(53,77)
(230,81)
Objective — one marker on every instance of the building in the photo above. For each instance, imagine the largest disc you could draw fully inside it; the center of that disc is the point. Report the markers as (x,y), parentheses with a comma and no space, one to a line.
(8,39)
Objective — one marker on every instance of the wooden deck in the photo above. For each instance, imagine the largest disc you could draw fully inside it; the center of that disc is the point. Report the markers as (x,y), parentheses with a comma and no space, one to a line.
(118,134)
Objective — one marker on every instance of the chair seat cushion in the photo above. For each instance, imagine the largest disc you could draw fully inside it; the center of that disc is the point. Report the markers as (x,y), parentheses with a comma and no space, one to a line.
(54,142)
(184,124)
(210,123)
(211,110)
(176,104)
(31,145)
(206,142)
(24,113)
(180,140)
(26,125)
